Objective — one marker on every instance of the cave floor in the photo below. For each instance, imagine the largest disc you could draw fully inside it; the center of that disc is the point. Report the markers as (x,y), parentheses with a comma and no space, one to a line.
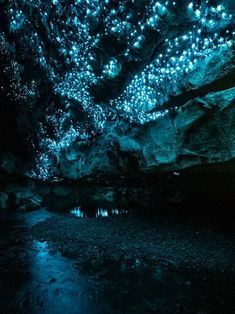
(133,263)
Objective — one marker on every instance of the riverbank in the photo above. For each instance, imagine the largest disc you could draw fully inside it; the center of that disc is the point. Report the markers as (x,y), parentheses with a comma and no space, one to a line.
(130,263)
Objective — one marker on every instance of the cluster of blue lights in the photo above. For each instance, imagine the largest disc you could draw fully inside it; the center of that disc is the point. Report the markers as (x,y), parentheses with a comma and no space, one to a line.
(74,32)
(159,80)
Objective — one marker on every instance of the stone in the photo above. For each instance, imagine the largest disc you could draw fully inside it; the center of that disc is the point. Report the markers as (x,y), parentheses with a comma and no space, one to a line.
(195,136)
(4,200)
(128,144)
(28,199)
(25,198)
(8,163)
(201,132)
(160,100)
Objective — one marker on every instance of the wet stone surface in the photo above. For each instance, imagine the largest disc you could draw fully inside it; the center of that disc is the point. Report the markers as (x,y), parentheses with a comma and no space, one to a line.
(62,263)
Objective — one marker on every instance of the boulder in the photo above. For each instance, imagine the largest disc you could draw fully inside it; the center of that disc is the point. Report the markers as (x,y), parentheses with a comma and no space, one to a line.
(4,200)
(8,163)
(25,198)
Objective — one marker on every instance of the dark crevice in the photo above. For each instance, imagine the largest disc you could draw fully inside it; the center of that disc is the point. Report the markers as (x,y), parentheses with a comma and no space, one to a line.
(219,85)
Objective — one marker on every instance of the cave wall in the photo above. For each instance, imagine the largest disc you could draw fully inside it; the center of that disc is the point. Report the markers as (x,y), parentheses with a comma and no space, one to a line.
(110,88)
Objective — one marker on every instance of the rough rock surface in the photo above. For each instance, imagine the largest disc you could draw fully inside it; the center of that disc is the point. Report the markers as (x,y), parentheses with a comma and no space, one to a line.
(200,132)
(3,200)
(119,88)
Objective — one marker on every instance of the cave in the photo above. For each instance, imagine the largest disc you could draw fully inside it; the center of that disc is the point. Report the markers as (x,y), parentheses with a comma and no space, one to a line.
(117,156)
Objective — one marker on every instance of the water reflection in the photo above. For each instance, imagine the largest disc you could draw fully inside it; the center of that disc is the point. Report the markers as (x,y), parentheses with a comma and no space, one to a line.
(78,212)
(42,250)
(37,279)
(99,212)
(54,287)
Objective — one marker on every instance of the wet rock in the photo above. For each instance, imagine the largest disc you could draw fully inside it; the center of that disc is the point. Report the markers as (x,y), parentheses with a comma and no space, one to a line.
(212,74)
(230,4)
(83,132)
(202,132)
(8,163)
(25,199)
(91,161)
(4,200)
(128,144)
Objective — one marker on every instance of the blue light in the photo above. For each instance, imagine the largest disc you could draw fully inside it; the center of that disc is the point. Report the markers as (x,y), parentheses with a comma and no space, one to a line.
(77,37)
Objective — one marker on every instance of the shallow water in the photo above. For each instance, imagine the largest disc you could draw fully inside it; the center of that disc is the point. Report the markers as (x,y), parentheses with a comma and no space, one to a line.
(98,212)
(42,281)
(37,277)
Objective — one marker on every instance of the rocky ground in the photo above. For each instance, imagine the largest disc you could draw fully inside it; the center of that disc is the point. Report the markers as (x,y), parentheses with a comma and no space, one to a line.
(131,263)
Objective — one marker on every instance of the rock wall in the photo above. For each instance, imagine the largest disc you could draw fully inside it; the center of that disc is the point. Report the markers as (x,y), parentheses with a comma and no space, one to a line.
(119,88)
(200,132)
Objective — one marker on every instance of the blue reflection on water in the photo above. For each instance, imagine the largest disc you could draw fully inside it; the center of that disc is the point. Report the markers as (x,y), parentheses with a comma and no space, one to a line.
(78,212)
(99,212)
